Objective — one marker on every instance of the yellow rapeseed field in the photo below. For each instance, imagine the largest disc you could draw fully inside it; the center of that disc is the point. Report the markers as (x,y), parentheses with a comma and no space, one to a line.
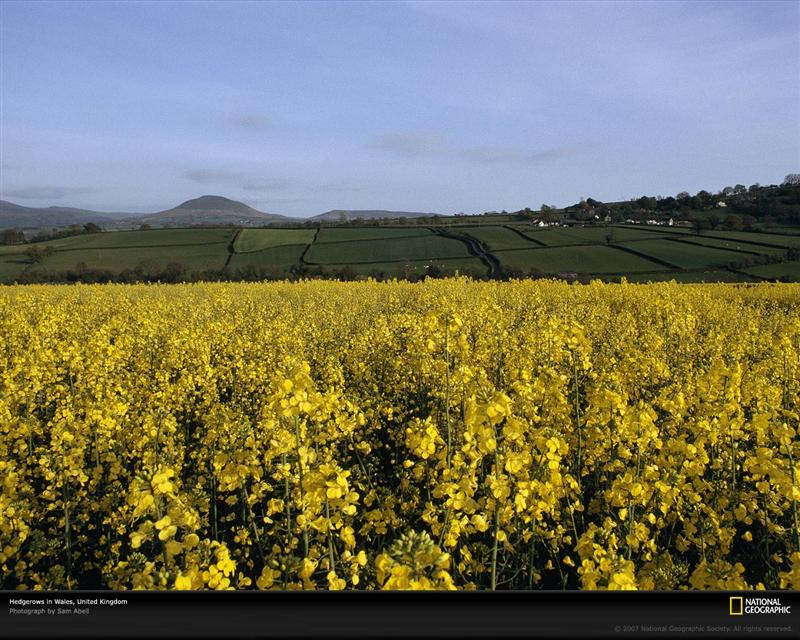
(437,435)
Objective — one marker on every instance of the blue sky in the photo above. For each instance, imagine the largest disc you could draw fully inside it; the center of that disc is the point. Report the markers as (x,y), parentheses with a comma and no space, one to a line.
(298,108)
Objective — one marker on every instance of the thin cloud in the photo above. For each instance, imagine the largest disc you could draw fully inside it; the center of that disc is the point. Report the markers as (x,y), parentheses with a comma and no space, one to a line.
(251,122)
(336,188)
(211,176)
(411,144)
(517,155)
(428,145)
(47,192)
(268,184)
(239,179)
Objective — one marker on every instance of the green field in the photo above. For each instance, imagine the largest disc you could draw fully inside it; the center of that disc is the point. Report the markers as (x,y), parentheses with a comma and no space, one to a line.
(654,253)
(466,266)
(257,239)
(145,239)
(683,254)
(345,234)
(651,229)
(581,259)
(498,238)
(193,257)
(790,270)
(387,250)
(12,262)
(734,245)
(776,239)
(283,256)
(556,237)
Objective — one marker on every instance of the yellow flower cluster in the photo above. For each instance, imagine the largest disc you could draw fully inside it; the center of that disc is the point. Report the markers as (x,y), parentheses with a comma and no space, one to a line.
(438,435)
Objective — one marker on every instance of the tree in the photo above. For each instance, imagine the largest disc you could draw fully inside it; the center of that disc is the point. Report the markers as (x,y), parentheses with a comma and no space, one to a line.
(646,202)
(36,253)
(727,191)
(144,226)
(699,225)
(733,223)
(91,227)
(667,204)
(704,198)
(12,236)
(739,189)
(791,179)
(682,196)
(174,271)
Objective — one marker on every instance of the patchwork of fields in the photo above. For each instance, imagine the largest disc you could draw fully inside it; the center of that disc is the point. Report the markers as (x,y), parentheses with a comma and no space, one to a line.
(607,251)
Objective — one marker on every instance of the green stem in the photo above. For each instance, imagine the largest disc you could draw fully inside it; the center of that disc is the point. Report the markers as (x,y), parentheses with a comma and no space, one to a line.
(302,491)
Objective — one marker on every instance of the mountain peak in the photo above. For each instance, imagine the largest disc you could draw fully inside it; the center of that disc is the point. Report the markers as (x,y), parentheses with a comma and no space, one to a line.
(211,210)
(214,203)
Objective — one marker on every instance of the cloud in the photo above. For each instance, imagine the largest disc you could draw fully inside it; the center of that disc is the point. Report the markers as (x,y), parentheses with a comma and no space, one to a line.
(268,184)
(251,122)
(47,192)
(252,182)
(210,176)
(428,145)
(239,179)
(516,155)
(411,144)
(337,187)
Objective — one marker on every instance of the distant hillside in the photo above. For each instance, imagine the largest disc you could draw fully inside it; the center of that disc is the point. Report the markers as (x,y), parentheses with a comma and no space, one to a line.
(337,215)
(209,210)
(16,216)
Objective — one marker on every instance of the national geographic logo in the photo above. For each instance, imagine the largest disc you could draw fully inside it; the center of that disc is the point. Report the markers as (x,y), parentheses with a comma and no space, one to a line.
(739,606)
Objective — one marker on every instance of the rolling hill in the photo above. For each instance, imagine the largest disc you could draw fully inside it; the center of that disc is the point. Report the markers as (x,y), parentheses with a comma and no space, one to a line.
(16,216)
(337,215)
(209,210)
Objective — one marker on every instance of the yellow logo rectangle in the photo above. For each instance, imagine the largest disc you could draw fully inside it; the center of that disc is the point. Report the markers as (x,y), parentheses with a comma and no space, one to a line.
(737,606)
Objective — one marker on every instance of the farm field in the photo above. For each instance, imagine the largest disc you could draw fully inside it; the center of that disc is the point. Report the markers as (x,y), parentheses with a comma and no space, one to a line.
(578,259)
(445,434)
(780,240)
(248,240)
(590,235)
(661,229)
(404,251)
(145,239)
(402,268)
(684,255)
(734,245)
(498,238)
(198,257)
(426,247)
(280,256)
(346,234)
(12,262)
(788,270)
